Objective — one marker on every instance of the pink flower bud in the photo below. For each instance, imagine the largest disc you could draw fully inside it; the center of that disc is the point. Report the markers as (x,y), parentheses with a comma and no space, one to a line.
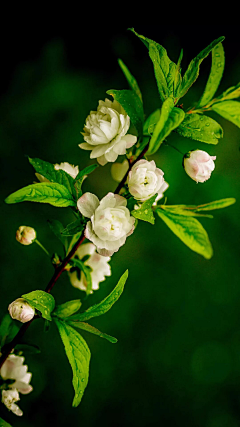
(25,235)
(21,310)
(199,165)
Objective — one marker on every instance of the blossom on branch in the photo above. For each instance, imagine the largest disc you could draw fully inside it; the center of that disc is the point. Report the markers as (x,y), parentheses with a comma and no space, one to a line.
(26,235)
(105,132)
(13,369)
(98,264)
(110,224)
(145,179)
(21,310)
(199,165)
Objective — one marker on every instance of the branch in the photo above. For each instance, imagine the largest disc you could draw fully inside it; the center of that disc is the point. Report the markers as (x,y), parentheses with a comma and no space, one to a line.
(8,348)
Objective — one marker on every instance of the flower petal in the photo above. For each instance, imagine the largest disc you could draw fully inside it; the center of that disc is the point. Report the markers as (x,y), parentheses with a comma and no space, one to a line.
(87,204)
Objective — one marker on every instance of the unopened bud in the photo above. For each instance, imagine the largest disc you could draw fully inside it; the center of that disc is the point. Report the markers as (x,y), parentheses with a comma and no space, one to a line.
(199,165)
(21,310)
(25,235)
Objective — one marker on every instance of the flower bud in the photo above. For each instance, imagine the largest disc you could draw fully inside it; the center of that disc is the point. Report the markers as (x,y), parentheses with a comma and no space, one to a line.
(199,165)
(25,235)
(21,310)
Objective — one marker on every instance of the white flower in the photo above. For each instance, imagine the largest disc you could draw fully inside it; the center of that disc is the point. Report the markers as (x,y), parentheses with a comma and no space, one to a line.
(21,310)
(110,222)
(145,180)
(98,263)
(66,167)
(199,165)
(25,235)
(13,369)
(118,170)
(105,132)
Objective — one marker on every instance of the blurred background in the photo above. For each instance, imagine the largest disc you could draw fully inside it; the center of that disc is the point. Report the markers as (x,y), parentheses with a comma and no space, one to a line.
(177,360)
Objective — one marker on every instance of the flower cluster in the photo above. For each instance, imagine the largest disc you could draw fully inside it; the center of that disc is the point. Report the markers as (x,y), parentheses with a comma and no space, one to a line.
(15,380)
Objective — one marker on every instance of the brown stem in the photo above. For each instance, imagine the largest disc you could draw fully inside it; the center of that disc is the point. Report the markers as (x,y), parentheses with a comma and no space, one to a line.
(7,349)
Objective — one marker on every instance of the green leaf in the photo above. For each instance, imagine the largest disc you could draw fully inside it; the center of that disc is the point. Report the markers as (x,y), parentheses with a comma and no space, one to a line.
(89,328)
(73,228)
(201,128)
(189,230)
(170,119)
(230,110)
(76,262)
(177,76)
(132,105)
(8,329)
(48,171)
(182,210)
(151,121)
(42,301)
(231,93)
(78,181)
(131,80)
(67,309)
(44,192)
(164,68)
(104,305)
(145,212)
(4,423)
(218,62)
(78,354)
(192,72)
(217,204)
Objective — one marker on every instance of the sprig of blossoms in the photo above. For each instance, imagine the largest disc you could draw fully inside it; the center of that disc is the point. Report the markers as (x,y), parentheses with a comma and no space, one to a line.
(110,221)
(13,369)
(105,132)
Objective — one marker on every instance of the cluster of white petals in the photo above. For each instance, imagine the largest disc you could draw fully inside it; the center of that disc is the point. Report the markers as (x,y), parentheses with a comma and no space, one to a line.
(199,165)
(145,180)
(21,310)
(110,221)
(25,235)
(98,264)
(13,369)
(105,132)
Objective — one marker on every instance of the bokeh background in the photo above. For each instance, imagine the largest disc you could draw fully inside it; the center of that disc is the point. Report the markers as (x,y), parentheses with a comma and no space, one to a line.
(177,361)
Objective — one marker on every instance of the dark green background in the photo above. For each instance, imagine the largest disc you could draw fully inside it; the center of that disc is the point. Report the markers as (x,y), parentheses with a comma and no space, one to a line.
(177,361)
